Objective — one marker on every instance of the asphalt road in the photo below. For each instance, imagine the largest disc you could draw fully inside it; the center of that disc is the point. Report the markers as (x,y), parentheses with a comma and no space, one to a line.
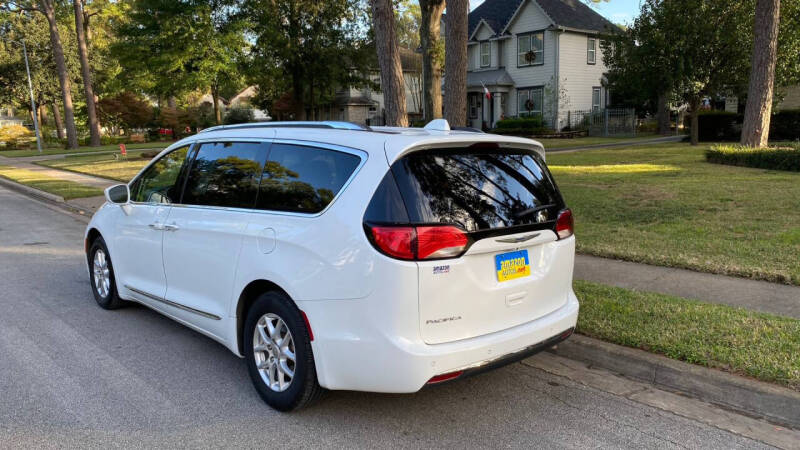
(74,375)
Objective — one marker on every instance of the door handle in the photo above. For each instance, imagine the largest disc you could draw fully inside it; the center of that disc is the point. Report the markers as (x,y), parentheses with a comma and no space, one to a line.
(157,226)
(170,227)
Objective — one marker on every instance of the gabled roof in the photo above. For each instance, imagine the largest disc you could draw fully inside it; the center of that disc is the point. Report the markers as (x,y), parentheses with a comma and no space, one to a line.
(573,14)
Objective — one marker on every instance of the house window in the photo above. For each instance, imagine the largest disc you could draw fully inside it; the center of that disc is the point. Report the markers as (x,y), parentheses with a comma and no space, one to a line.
(473,106)
(530,49)
(595,99)
(529,102)
(486,55)
(591,50)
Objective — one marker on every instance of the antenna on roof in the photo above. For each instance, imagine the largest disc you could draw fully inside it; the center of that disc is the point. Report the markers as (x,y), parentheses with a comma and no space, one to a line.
(437,125)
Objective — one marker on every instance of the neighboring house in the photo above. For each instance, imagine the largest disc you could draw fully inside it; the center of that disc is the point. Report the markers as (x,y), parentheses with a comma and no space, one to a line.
(535,57)
(7,117)
(244,100)
(365,105)
(790,100)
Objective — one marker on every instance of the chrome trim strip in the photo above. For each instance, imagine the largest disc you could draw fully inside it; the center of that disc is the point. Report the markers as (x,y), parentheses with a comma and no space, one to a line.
(517,240)
(173,304)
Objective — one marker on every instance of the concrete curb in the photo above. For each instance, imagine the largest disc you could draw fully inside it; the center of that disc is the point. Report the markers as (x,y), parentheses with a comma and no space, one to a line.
(750,397)
(45,197)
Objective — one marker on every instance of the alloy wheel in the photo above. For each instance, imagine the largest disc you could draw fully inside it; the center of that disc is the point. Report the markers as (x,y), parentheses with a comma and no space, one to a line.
(101,273)
(274,352)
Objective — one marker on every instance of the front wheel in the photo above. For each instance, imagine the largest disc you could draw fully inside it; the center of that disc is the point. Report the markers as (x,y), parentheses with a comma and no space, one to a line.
(101,276)
(279,355)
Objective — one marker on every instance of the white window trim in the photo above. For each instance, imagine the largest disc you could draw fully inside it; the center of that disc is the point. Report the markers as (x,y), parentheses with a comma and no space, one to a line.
(539,53)
(488,54)
(599,105)
(591,52)
(526,92)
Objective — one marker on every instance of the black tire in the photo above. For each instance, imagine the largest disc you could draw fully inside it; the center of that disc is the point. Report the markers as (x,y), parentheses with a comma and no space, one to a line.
(111,300)
(303,389)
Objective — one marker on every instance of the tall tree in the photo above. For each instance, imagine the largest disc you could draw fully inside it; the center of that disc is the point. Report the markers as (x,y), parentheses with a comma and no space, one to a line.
(408,19)
(455,62)
(86,73)
(48,9)
(758,109)
(394,93)
(304,50)
(429,30)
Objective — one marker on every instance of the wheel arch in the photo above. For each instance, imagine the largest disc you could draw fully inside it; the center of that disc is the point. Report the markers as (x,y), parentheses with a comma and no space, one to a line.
(249,294)
(91,236)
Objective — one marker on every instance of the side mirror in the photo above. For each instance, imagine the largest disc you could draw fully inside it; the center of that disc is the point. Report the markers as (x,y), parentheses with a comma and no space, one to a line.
(119,194)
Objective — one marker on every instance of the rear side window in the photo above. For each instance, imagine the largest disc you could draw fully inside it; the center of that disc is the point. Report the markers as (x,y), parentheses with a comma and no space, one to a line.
(225,174)
(477,189)
(304,179)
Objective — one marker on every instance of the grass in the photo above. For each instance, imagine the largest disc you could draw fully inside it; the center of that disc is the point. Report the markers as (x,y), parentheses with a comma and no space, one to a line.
(62,151)
(757,345)
(66,189)
(666,205)
(103,165)
(591,140)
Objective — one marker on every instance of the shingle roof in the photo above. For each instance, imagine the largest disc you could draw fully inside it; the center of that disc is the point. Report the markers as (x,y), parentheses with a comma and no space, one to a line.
(496,77)
(566,13)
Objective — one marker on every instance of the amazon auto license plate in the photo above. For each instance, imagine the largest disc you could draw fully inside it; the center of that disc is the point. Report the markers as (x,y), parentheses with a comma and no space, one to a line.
(512,265)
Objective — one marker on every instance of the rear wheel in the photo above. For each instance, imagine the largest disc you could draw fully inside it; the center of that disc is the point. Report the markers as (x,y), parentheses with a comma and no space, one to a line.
(279,355)
(101,276)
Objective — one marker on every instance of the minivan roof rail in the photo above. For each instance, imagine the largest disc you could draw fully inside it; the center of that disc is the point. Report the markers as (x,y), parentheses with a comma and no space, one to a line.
(331,124)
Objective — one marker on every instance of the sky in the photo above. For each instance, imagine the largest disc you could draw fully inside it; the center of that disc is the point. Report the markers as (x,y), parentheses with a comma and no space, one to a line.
(617,11)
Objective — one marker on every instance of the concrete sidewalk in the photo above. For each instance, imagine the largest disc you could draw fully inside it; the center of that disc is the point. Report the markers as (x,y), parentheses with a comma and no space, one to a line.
(60,174)
(756,295)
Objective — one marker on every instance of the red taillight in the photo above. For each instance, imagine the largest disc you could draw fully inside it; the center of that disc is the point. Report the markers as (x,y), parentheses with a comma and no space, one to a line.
(440,242)
(308,325)
(565,225)
(445,377)
(416,243)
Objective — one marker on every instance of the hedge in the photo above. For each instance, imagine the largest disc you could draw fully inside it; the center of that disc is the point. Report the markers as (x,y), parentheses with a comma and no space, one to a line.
(727,126)
(774,158)
(520,123)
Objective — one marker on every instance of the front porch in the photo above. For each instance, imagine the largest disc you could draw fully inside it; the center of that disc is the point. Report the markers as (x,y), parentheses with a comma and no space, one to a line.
(482,112)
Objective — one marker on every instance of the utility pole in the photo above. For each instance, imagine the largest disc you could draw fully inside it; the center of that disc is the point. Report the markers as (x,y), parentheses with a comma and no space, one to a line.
(33,103)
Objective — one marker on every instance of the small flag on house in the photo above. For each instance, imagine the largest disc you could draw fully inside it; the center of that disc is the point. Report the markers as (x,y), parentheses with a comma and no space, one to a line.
(486,92)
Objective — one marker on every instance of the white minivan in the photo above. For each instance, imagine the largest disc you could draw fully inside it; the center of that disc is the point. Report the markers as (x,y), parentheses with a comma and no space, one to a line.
(335,256)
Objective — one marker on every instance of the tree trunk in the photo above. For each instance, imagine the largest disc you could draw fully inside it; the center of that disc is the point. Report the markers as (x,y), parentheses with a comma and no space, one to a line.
(86,73)
(430,25)
(455,63)
(172,102)
(215,99)
(695,136)
(48,10)
(394,92)
(758,109)
(57,119)
(663,114)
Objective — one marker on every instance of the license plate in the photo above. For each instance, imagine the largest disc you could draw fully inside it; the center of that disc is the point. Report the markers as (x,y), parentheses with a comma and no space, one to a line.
(512,265)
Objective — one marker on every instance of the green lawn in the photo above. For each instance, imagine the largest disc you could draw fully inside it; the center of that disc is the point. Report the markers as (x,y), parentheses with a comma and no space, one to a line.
(592,140)
(103,165)
(66,189)
(758,345)
(665,205)
(62,151)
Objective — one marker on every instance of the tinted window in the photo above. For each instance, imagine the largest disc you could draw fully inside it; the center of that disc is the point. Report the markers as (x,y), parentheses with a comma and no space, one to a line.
(159,184)
(386,206)
(303,179)
(477,190)
(225,174)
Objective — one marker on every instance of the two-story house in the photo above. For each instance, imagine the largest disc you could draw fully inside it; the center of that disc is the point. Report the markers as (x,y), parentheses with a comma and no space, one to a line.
(535,57)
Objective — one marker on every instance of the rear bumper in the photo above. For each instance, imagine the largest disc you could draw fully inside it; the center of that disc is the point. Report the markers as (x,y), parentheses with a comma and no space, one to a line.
(363,359)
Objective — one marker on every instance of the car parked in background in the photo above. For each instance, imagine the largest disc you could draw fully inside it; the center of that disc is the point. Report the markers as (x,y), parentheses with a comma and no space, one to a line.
(334,256)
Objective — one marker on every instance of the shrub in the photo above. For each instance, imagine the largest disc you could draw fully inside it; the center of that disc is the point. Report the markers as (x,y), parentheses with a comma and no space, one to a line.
(521,122)
(239,115)
(719,126)
(522,131)
(774,158)
(785,126)
(15,136)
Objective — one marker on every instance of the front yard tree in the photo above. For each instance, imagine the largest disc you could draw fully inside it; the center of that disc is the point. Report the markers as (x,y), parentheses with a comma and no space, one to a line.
(757,113)
(392,84)
(429,29)
(86,73)
(455,86)
(306,49)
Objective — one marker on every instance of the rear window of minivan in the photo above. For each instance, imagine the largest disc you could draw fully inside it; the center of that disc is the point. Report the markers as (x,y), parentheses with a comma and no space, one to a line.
(476,189)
